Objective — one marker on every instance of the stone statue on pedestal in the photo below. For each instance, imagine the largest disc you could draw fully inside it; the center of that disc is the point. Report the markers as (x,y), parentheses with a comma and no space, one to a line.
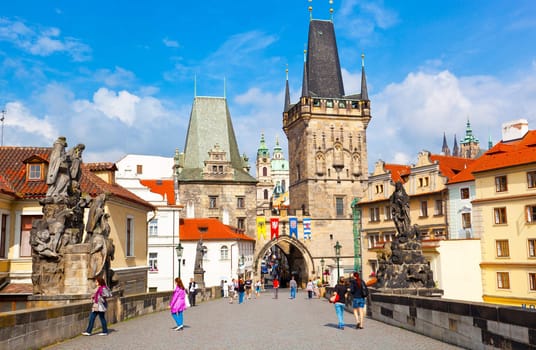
(401,263)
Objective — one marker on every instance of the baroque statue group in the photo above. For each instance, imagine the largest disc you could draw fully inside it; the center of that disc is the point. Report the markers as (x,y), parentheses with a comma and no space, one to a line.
(62,225)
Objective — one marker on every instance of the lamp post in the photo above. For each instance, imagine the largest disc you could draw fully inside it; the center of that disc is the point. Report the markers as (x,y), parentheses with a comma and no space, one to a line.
(243,264)
(338,247)
(322,265)
(179,249)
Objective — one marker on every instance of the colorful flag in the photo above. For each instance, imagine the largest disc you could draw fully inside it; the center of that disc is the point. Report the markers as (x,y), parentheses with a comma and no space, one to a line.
(261,227)
(306,228)
(274,228)
(293,223)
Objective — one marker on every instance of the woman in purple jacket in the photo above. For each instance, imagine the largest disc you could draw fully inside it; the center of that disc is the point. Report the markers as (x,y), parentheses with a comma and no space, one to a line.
(177,304)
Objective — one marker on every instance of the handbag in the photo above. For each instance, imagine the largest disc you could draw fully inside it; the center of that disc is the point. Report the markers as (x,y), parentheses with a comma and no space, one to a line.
(186,302)
(95,307)
(334,298)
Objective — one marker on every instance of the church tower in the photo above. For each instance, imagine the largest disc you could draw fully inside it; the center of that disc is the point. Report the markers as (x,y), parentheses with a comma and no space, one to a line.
(327,145)
(470,145)
(265,185)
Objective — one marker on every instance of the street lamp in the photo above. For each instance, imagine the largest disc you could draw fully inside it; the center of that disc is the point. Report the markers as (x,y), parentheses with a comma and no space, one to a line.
(179,249)
(338,247)
(322,265)
(243,264)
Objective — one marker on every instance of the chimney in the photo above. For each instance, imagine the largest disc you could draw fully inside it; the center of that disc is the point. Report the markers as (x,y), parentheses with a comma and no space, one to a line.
(514,130)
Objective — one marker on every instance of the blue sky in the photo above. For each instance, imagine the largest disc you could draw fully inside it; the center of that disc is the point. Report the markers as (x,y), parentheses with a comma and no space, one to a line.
(119,75)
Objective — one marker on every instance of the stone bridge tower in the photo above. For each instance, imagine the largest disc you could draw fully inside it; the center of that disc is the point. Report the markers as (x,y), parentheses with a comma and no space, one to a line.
(326,131)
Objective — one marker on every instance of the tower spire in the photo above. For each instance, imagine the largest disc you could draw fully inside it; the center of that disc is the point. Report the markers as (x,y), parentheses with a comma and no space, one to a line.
(364,90)
(445,149)
(305,84)
(331,10)
(455,149)
(287,93)
(310,10)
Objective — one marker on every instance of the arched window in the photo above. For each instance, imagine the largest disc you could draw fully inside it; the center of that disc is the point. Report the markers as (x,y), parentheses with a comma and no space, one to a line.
(265,194)
(264,171)
(224,253)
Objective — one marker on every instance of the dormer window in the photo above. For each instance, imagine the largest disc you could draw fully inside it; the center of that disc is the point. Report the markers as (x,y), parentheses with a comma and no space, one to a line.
(35,171)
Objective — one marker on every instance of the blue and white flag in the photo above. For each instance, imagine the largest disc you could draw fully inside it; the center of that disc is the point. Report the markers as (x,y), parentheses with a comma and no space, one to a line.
(293,223)
(306,228)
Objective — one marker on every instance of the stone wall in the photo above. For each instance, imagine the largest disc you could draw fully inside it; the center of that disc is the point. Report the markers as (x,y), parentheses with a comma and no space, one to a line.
(40,327)
(469,325)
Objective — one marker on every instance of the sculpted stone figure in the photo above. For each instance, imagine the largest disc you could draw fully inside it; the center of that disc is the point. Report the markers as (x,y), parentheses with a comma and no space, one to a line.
(58,176)
(399,201)
(96,212)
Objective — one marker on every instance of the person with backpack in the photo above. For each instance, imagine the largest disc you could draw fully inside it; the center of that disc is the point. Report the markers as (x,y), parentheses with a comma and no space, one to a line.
(359,291)
(99,306)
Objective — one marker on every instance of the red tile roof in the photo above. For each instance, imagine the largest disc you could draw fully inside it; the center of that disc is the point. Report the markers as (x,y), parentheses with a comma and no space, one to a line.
(166,188)
(209,230)
(450,166)
(508,154)
(13,174)
(397,171)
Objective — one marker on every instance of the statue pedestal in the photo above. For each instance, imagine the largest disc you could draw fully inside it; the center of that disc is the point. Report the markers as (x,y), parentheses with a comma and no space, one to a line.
(76,260)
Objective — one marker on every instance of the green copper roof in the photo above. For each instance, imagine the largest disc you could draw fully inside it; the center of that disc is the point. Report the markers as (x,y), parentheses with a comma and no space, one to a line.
(469,137)
(210,124)
(263,151)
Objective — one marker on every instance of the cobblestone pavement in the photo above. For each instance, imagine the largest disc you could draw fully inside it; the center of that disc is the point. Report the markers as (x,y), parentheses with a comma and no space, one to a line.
(258,323)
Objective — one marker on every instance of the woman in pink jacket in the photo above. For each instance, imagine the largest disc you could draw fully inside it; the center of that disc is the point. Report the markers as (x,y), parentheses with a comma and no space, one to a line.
(177,304)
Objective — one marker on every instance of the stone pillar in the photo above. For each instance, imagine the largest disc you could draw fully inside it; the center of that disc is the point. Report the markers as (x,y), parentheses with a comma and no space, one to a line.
(76,260)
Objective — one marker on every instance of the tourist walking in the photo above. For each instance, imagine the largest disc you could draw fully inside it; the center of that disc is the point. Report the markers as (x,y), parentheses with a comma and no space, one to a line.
(99,306)
(241,290)
(293,287)
(192,291)
(249,287)
(276,287)
(225,289)
(258,286)
(178,304)
(232,290)
(316,286)
(358,290)
(338,298)
(310,289)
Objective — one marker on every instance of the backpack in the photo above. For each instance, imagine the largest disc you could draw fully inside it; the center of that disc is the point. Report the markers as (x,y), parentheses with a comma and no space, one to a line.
(364,289)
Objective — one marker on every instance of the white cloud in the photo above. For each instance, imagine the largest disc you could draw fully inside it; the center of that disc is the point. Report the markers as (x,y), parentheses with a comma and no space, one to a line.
(170,43)
(121,105)
(372,16)
(412,115)
(117,77)
(19,118)
(44,42)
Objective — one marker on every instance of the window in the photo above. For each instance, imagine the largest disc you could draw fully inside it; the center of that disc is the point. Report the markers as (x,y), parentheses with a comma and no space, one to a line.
(329,103)
(532,281)
(388,214)
(531,179)
(213,202)
(532,248)
(500,215)
(374,214)
(153,227)
(139,169)
(265,195)
(240,202)
(34,172)
(464,193)
(388,237)
(503,280)
(153,262)
(241,223)
(531,213)
(224,253)
(316,102)
(26,226)
(342,104)
(130,237)
(339,206)
(424,181)
(424,209)
(264,171)
(373,240)
(466,220)
(379,189)
(3,235)
(438,209)
(503,249)
(500,184)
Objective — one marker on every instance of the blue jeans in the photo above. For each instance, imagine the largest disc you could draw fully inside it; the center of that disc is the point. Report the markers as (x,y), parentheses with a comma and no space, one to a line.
(241,297)
(292,292)
(178,317)
(92,317)
(339,309)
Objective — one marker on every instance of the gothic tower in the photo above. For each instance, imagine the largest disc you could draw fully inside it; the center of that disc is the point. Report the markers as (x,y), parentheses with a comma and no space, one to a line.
(469,146)
(327,145)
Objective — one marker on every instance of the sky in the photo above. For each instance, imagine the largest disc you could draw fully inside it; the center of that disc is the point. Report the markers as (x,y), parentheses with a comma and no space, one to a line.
(119,75)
